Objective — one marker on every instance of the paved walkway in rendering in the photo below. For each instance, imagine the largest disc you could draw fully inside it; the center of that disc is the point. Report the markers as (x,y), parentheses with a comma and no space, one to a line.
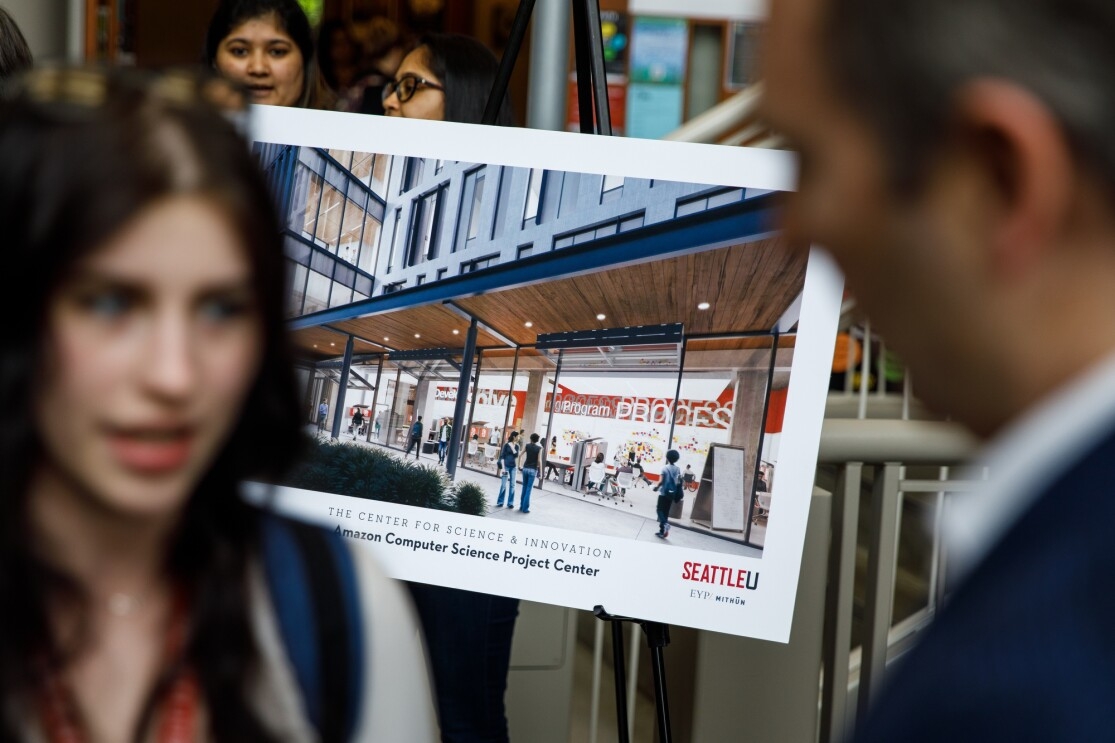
(558,506)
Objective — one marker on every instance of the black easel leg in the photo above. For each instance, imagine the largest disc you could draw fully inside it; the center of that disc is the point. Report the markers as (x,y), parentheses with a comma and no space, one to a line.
(507,61)
(658,637)
(583,52)
(621,681)
(594,37)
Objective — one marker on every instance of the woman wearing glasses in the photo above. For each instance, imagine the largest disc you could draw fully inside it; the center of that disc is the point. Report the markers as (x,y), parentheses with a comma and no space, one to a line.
(145,375)
(446,78)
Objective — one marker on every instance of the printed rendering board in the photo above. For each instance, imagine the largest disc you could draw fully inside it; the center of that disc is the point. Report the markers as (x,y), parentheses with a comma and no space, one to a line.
(562,228)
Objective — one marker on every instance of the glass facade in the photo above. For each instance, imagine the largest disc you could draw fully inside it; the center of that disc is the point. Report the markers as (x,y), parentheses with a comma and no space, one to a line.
(333,215)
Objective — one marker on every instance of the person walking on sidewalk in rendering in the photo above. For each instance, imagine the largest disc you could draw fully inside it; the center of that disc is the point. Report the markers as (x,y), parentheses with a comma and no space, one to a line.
(509,458)
(445,432)
(415,441)
(531,466)
(322,414)
(669,492)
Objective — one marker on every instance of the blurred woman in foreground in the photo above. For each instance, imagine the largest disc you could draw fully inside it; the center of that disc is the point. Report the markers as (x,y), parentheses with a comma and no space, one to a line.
(144,377)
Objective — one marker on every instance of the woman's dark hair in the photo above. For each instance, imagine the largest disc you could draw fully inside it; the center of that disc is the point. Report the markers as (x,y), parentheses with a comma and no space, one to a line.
(467,69)
(291,19)
(15,55)
(84,153)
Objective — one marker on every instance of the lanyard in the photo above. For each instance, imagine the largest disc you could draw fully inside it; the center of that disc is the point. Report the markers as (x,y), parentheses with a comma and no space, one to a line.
(177,718)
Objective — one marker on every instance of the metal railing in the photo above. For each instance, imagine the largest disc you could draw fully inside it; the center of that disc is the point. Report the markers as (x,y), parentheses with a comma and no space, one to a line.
(888,448)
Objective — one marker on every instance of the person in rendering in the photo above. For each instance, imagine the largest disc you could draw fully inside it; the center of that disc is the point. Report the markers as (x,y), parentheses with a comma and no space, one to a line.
(444,435)
(669,492)
(322,414)
(963,177)
(146,375)
(357,422)
(551,455)
(414,440)
(15,55)
(268,47)
(597,471)
(532,464)
(508,459)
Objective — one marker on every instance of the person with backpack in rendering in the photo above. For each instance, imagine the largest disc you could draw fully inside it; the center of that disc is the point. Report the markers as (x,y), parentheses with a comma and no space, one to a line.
(669,492)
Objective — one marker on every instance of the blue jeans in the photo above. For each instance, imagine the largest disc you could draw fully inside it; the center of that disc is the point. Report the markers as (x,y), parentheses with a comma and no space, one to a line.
(508,476)
(529,473)
(441,450)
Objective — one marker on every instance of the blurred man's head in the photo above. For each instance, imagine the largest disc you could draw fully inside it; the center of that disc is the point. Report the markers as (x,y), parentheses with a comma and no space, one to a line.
(957,160)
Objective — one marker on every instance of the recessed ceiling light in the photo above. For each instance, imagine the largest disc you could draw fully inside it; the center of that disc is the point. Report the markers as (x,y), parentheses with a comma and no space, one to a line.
(315,345)
(703,306)
(333,344)
(601,316)
(417,335)
(456,332)
(529,324)
(386,338)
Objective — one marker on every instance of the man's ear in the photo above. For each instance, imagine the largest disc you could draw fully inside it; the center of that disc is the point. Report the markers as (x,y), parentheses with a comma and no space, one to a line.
(1026,159)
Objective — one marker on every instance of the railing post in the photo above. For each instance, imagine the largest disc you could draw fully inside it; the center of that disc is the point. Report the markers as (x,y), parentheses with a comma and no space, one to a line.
(837,643)
(881,563)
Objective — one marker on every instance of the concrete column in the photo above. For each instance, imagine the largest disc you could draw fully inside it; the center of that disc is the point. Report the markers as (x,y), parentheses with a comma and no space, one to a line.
(531,418)
(549,65)
(747,419)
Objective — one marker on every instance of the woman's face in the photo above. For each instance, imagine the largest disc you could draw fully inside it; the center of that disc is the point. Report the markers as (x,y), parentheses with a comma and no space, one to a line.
(427,102)
(153,343)
(262,56)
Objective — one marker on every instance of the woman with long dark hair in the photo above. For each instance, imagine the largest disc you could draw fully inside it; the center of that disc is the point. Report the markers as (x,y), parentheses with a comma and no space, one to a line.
(447,77)
(145,375)
(268,47)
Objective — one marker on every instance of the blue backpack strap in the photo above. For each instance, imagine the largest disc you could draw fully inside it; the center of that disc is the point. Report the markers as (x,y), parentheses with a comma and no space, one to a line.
(312,581)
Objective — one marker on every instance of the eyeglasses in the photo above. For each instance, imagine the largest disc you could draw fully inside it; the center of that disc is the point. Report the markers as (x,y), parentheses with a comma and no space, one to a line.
(406,86)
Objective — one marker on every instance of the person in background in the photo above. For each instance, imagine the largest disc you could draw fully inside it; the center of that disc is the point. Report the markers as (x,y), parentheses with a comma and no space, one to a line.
(414,439)
(469,633)
(669,490)
(445,433)
(508,458)
(147,377)
(551,455)
(447,77)
(357,422)
(339,55)
(961,174)
(15,55)
(596,472)
(383,46)
(322,414)
(268,47)
(531,465)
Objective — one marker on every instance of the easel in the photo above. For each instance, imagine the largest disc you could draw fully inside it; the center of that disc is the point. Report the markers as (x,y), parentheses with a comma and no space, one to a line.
(592,98)
(658,637)
(588,43)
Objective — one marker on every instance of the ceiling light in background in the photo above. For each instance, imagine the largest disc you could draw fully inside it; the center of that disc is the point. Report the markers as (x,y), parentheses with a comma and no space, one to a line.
(601,316)
(529,324)
(703,306)
(417,335)
(456,332)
